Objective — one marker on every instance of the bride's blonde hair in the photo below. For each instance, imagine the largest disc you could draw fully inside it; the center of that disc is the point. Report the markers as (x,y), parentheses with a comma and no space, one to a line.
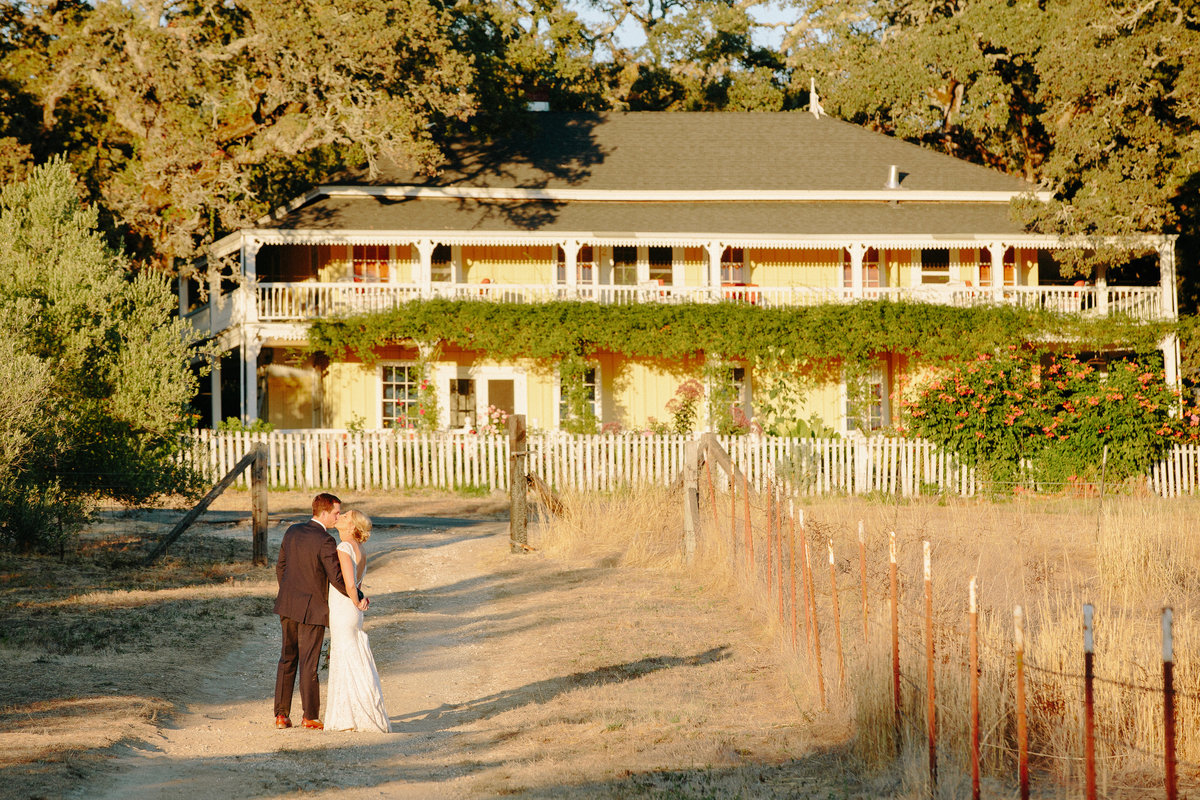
(360,525)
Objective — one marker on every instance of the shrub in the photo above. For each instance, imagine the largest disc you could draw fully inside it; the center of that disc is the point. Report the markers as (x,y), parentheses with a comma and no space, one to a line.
(1051,412)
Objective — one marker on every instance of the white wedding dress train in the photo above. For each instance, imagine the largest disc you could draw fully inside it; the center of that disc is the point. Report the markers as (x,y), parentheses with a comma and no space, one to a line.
(355,695)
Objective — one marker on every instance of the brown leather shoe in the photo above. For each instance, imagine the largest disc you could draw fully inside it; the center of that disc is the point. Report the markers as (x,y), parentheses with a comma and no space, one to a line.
(282,721)
(315,724)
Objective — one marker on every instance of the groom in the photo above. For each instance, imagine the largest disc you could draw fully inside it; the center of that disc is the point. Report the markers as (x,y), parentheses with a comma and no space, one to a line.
(308,565)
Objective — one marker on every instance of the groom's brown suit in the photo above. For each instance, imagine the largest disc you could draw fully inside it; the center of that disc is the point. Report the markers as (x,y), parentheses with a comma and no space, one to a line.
(308,565)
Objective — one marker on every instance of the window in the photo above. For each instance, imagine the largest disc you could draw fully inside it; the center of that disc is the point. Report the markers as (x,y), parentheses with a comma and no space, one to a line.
(625,266)
(935,265)
(660,265)
(442,265)
(870,269)
(590,395)
(401,392)
(370,262)
(462,403)
(985,267)
(733,265)
(586,263)
(583,265)
(868,411)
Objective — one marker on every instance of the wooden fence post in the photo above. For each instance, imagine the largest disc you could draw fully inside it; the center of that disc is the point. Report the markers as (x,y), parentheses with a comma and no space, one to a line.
(258,503)
(1089,701)
(1169,763)
(518,509)
(1022,722)
(894,591)
(931,683)
(973,644)
(691,497)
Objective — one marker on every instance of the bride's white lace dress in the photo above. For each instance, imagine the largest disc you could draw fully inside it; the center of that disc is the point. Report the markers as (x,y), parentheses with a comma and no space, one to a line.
(355,696)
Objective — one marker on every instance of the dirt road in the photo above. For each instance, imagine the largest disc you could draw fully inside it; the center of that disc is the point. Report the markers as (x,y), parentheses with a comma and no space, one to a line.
(508,675)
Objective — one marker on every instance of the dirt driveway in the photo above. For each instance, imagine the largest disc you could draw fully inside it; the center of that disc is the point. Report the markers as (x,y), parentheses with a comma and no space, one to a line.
(504,675)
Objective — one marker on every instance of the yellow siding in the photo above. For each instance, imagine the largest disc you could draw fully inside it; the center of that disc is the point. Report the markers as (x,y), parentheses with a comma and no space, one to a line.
(789,267)
(898,264)
(695,266)
(519,265)
(290,396)
(351,390)
(541,397)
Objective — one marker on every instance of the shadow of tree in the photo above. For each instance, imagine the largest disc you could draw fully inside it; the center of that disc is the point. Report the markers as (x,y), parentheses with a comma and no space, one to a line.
(539,692)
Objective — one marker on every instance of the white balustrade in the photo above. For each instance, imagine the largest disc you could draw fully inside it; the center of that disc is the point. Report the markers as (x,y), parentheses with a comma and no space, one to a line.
(310,300)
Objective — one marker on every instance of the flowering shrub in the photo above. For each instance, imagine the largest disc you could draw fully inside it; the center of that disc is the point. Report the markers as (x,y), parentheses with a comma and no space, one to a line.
(495,421)
(684,406)
(1052,411)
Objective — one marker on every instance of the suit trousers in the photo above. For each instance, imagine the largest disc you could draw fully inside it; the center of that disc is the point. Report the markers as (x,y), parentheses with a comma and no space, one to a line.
(302,650)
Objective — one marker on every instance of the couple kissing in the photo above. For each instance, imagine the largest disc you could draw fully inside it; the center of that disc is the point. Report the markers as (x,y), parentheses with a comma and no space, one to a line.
(320,585)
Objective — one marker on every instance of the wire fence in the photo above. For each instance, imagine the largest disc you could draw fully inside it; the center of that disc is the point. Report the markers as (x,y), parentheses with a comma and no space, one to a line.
(982,692)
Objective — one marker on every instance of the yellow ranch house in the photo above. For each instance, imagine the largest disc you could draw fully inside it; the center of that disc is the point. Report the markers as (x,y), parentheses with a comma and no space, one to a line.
(766,209)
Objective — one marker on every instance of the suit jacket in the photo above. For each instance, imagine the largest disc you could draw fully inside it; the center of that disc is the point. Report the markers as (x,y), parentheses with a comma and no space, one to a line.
(308,565)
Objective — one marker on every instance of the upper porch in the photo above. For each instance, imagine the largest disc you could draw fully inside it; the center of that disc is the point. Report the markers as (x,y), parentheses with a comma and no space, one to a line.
(282,281)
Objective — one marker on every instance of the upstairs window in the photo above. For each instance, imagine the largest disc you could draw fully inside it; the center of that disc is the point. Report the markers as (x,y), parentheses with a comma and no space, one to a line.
(660,265)
(935,265)
(370,262)
(442,265)
(625,266)
(985,267)
(733,265)
(870,269)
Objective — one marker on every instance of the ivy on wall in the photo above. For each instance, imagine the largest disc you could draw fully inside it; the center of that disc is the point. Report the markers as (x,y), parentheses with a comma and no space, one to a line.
(810,337)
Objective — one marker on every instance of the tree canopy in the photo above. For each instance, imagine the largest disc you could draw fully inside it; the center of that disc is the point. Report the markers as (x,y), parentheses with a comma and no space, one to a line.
(94,371)
(186,119)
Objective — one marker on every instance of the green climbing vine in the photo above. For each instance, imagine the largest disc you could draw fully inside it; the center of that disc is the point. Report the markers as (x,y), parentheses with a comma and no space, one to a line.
(805,336)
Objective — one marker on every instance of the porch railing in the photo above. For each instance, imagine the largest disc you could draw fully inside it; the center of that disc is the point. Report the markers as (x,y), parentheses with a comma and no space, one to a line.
(310,300)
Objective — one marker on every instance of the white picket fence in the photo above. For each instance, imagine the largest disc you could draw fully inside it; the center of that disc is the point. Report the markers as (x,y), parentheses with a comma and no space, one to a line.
(402,459)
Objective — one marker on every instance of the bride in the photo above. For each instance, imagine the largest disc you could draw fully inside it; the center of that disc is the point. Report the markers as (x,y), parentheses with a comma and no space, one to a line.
(355,696)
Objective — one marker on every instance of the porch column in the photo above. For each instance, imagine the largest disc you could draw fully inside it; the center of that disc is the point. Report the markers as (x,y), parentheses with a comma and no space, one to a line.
(249,288)
(571,265)
(182,291)
(997,251)
(215,385)
(1102,290)
(643,264)
(251,347)
(715,250)
(678,266)
(857,251)
(1166,277)
(425,266)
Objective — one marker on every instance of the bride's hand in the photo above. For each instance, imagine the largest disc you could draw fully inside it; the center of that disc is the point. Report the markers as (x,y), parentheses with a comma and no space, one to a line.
(363,604)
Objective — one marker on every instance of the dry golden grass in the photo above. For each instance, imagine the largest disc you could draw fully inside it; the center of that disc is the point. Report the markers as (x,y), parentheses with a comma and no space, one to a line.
(1128,556)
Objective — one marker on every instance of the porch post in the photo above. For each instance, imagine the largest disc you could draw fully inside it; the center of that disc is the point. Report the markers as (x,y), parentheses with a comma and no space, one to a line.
(215,385)
(1166,277)
(571,265)
(715,249)
(425,266)
(997,250)
(1102,290)
(182,290)
(857,251)
(249,291)
(251,347)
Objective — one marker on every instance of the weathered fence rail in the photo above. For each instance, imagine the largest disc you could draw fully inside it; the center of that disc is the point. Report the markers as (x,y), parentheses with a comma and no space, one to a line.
(402,459)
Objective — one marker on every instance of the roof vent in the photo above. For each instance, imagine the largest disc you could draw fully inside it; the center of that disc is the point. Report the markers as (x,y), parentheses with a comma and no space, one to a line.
(893,181)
